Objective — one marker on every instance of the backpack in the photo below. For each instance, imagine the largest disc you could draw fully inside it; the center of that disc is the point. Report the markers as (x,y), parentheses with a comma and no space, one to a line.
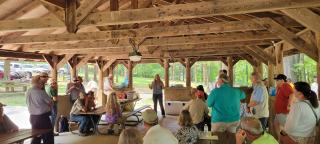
(63,124)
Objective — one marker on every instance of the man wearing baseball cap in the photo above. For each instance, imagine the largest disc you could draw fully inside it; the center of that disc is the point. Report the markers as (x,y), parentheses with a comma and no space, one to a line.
(225,104)
(282,102)
(156,134)
(6,125)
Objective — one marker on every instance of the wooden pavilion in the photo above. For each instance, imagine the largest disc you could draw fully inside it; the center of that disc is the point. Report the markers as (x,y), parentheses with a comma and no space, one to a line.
(186,31)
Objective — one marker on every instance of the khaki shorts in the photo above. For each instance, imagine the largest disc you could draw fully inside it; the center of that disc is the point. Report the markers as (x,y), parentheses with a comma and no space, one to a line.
(281,119)
(222,127)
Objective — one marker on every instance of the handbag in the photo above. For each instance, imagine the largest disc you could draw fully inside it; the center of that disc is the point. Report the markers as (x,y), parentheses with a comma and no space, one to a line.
(285,139)
(317,124)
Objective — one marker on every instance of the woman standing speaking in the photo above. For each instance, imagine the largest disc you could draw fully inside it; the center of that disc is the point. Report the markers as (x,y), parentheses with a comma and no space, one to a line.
(157,86)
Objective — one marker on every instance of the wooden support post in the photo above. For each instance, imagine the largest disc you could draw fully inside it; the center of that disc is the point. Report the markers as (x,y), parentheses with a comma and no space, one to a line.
(259,68)
(95,71)
(100,93)
(188,72)
(54,68)
(270,75)
(230,70)
(130,78)
(166,72)
(73,64)
(71,22)
(279,59)
(6,70)
(86,73)
(318,62)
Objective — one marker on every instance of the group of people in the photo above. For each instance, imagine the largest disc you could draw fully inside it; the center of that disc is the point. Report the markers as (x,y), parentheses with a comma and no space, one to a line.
(296,107)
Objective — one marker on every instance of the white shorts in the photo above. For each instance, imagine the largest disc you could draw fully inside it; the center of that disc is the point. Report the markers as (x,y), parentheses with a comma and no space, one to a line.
(222,127)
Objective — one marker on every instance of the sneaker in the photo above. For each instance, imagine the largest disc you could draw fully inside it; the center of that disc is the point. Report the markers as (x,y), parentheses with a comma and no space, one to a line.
(55,134)
(163,116)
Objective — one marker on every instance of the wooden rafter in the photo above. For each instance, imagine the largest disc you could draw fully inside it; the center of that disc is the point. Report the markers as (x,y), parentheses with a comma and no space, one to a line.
(264,54)
(230,37)
(171,12)
(255,54)
(83,61)
(54,9)
(290,37)
(247,25)
(108,64)
(305,16)
(64,60)
(85,9)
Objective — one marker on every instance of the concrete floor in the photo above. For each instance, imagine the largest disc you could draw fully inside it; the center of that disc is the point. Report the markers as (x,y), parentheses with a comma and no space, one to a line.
(20,116)
(169,122)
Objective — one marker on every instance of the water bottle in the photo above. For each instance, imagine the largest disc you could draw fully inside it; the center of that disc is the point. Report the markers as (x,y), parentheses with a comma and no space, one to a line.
(206,129)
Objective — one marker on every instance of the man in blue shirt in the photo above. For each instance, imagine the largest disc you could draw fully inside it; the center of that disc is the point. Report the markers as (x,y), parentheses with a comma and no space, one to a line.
(225,104)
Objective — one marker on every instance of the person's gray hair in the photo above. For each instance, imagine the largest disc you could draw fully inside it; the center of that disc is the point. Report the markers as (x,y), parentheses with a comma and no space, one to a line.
(252,125)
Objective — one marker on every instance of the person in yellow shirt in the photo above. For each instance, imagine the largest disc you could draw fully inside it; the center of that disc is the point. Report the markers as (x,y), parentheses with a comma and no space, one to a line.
(252,131)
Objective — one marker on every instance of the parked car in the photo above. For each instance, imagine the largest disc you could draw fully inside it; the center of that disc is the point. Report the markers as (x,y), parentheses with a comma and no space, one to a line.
(27,70)
(42,68)
(62,71)
(1,73)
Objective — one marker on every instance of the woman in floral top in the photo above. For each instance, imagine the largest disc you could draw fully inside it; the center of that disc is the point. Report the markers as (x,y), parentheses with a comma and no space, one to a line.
(188,133)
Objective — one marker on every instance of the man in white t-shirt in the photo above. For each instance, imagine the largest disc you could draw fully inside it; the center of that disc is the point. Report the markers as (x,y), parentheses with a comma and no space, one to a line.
(156,134)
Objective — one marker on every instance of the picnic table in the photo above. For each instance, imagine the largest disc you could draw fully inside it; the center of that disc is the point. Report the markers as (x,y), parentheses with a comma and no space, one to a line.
(207,138)
(99,111)
(11,84)
(21,135)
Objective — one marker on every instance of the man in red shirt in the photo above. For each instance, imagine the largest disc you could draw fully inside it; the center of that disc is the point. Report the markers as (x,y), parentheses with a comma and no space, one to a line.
(282,102)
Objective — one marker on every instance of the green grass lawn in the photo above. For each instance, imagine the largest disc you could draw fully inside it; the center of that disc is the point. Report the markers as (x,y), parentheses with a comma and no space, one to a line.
(18,98)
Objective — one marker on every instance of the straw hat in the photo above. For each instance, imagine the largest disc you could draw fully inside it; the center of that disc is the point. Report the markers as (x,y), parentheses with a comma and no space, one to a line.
(2,105)
(150,116)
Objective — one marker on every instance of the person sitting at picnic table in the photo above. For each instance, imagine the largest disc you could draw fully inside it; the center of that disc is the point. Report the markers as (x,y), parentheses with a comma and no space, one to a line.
(39,105)
(91,106)
(252,131)
(113,111)
(6,125)
(225,104)
(74,89)
(201,93)
(198,110)
(188,133)
(156,134)
(130,136)
(304,115)
(75,115)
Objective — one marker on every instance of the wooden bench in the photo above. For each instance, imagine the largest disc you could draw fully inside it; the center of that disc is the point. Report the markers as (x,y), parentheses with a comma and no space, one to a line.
(136,113)
(21,135)
(122,121)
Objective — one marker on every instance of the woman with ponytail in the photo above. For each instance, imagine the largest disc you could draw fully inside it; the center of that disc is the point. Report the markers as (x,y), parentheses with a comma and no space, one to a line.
(303,116)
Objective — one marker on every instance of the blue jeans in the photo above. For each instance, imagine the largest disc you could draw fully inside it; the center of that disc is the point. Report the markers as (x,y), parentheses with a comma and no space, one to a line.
(54,112)
(264,122)
(83,120)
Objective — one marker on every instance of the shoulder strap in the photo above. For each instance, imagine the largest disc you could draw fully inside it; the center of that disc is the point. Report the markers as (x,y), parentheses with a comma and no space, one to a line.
(317,121)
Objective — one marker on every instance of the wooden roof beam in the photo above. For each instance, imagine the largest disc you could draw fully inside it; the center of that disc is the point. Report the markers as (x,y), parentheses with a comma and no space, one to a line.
(264,54)
(166,13)
(54,9)
(108,64)
(71,10)
(143,32)
(85,9)
(290,37)
(230,37)
(304,16)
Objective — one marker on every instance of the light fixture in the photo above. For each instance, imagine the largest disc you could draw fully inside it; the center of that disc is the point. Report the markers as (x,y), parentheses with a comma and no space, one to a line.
(135,55)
